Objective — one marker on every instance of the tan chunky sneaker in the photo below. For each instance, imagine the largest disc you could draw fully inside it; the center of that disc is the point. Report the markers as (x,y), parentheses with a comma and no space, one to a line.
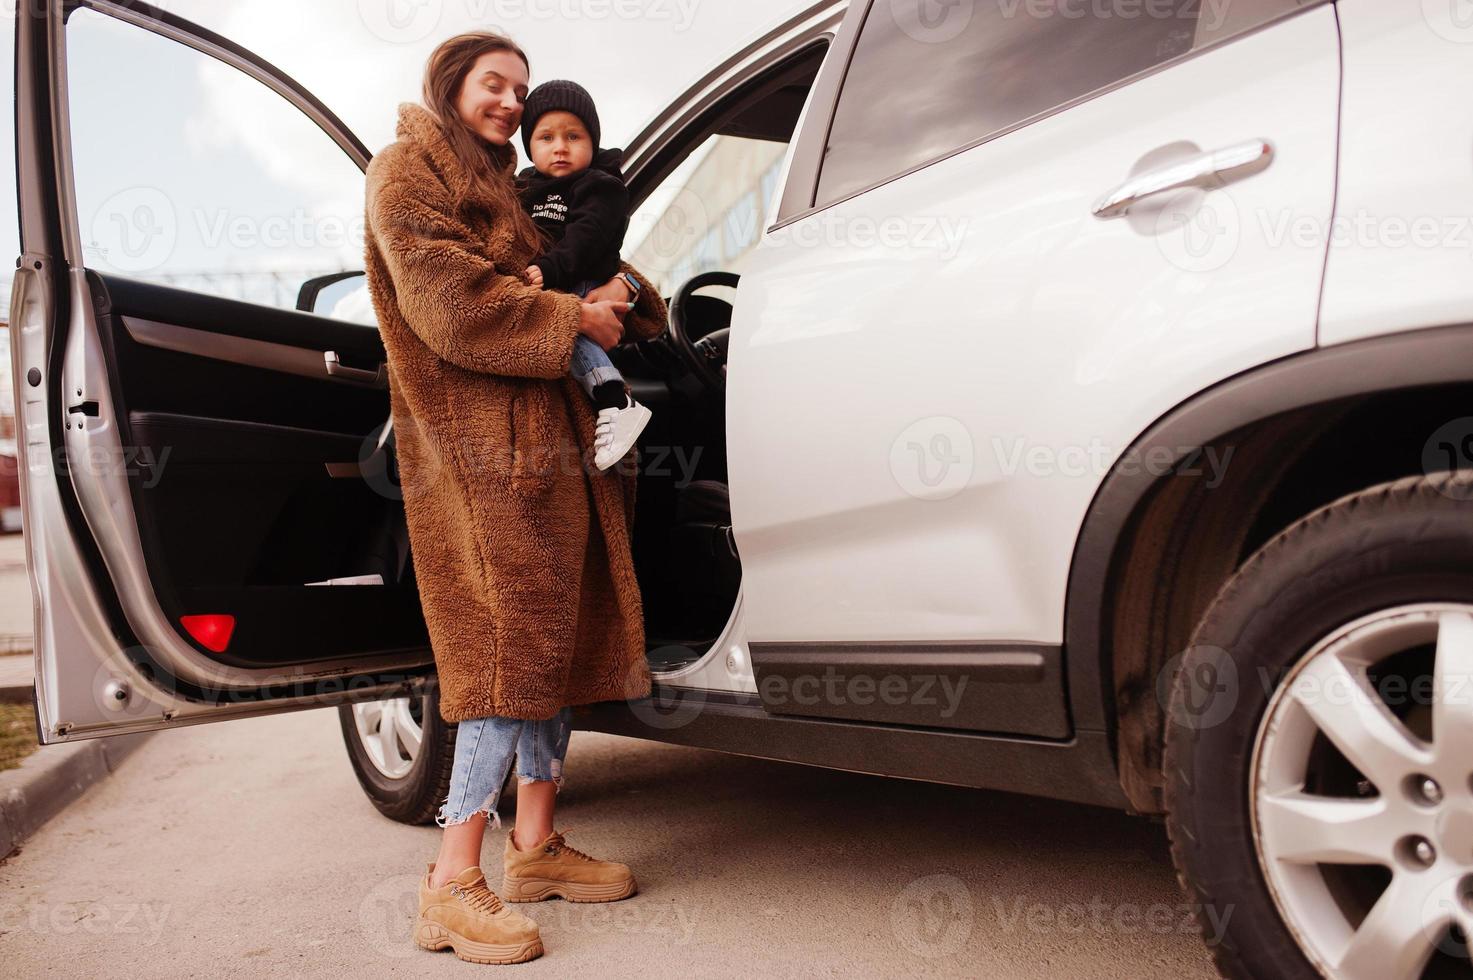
(552,868)
(467,916)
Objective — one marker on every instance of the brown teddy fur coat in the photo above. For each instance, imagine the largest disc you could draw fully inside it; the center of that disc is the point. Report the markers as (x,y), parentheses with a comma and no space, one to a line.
(521,546)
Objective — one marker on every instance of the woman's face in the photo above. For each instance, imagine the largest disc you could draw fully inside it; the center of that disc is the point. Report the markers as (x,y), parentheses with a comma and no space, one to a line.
(491,97)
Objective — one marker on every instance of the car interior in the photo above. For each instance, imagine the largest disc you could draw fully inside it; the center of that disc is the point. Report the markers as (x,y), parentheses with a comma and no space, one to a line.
(684,552)
(258,477)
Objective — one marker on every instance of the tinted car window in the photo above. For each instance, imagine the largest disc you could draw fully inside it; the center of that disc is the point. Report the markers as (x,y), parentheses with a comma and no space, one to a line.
(928,77)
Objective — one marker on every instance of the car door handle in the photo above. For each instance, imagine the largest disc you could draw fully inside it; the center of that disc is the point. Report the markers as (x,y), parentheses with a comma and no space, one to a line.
(337,369)
(1212,169)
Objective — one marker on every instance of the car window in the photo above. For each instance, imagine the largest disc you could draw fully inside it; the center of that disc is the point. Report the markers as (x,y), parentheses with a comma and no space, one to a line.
(708,214)
(191,174)
(927,77)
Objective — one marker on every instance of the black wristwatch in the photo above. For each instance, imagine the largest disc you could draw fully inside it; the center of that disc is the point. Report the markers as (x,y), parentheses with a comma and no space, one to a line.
(633,284)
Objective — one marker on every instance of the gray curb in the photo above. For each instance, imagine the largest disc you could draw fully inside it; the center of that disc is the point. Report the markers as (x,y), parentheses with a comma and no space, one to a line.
(52,777)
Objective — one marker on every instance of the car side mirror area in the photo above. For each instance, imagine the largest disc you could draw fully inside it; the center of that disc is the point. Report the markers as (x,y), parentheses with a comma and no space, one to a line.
(340,295)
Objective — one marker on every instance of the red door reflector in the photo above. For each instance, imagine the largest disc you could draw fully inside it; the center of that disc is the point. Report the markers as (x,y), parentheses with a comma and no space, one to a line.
(212,631)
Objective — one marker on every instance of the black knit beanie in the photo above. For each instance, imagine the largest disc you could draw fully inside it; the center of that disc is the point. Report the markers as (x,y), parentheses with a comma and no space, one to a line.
(553,96)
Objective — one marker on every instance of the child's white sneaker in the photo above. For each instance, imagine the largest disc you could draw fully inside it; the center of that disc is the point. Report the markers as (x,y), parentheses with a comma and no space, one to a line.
(618,428)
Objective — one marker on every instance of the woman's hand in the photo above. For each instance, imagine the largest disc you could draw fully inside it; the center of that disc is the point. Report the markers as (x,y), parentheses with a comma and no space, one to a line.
(615,289)
(602,322)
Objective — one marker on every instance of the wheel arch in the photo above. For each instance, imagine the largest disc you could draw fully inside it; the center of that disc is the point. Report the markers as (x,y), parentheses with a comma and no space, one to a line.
(1249,457)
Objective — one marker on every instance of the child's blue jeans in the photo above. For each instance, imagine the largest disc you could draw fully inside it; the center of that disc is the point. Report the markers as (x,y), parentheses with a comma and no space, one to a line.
(591,364)
(483,752)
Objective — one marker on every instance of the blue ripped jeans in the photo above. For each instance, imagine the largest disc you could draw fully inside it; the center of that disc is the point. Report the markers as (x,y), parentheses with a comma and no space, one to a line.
(483,752)
(591,364)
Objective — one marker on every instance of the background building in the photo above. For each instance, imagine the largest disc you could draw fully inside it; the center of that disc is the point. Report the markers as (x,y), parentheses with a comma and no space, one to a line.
(708,214)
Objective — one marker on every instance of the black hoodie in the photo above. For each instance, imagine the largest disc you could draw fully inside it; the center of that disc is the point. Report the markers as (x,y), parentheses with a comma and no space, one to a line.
(584,214)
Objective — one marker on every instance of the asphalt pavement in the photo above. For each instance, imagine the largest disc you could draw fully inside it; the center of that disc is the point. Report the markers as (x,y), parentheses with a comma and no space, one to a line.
(246,848)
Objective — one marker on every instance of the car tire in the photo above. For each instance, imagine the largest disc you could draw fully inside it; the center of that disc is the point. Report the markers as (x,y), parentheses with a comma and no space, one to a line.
(407,785)
(1379,567)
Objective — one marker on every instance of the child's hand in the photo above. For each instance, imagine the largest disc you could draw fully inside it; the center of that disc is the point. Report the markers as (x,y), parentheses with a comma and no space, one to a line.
(534,275)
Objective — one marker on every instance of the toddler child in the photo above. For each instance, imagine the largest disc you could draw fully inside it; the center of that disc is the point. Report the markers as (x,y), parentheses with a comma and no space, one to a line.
(575,194)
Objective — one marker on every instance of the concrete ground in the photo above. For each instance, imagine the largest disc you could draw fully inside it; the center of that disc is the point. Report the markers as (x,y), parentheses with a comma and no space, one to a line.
(246,848)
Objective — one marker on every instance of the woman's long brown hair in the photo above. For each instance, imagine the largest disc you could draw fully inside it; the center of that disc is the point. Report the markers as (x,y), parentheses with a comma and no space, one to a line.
(485,163)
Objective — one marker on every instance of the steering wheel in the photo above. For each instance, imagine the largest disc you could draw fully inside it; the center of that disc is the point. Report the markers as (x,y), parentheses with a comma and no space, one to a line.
(706,357)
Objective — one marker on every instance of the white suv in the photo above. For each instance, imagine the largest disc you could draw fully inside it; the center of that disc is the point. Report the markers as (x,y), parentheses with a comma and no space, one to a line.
(1094,420)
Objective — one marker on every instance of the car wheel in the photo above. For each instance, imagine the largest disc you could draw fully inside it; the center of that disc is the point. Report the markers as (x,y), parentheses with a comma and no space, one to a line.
(1319,752)
(402,752)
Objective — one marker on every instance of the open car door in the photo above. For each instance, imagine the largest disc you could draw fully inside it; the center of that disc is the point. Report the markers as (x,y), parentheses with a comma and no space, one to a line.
(212,518)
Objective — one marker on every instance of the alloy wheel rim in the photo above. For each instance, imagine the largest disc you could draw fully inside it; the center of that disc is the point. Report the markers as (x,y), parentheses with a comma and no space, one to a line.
(390,734)
(1370,879)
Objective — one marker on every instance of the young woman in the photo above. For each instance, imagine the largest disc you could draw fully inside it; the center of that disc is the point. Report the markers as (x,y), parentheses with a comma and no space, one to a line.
(521,545)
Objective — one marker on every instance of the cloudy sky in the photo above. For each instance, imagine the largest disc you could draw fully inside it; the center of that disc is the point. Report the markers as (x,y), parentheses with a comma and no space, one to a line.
(362,58)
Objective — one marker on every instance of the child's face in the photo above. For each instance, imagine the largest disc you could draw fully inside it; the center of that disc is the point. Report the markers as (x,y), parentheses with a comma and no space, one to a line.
(560,145)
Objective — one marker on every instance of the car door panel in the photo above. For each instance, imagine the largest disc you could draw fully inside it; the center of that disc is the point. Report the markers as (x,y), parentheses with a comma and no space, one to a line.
(943,417)
(190,455)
